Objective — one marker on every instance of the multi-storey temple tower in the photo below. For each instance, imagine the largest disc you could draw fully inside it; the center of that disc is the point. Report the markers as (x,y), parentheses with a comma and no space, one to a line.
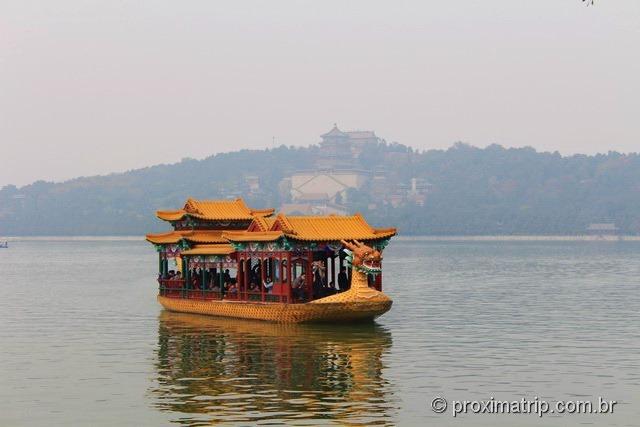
(335,151)
(323,188)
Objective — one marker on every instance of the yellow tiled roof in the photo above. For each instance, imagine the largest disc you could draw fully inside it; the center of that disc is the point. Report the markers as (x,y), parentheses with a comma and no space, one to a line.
(313,228)
(263,223)
(330,227)
(220,249)
(197,236)
(215,210)
(171,215)
(252,236)
(165,238)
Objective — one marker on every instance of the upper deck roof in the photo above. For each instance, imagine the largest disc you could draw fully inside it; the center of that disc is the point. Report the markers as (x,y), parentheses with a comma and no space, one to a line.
(313,228)
(330,227)
(214,210)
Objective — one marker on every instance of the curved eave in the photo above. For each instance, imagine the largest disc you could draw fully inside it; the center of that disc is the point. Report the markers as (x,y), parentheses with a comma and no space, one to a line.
(385,232)
(172,237)
(171,215)
(164,238)
(376,235)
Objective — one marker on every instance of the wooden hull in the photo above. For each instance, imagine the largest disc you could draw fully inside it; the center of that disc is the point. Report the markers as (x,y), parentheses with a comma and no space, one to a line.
(347,308)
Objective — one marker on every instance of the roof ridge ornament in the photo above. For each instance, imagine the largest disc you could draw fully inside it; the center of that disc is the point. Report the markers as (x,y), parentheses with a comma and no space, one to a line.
(285,224)
(191,206)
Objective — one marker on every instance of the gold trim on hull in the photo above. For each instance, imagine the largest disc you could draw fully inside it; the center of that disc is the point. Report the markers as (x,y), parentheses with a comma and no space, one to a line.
(316,311)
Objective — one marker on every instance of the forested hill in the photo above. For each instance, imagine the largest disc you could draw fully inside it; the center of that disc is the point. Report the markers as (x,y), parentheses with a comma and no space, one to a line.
(471,191)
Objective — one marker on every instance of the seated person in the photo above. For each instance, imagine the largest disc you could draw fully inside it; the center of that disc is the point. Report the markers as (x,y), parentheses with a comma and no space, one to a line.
(268,285)
(253,287)
(232,289)
(298,282)
(195,282)
(214,282)
(331,289)
(176,276)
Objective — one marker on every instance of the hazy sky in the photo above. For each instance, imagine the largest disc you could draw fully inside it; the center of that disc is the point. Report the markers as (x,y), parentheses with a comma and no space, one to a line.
(91,87)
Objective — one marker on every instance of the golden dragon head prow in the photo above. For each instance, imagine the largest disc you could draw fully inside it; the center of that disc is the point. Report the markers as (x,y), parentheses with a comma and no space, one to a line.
(363,258)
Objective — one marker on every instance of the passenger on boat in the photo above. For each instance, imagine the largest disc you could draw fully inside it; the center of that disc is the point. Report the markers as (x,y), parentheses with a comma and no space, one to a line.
(195,279)
(331,289)
(175,276)
(214,280)
(343,280)
(256,274)
(232,289)
(268,284)
(298,287)
(319,283)
(253,287)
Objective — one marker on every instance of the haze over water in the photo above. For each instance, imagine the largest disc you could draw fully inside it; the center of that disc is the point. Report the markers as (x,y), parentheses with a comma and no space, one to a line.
(83,341)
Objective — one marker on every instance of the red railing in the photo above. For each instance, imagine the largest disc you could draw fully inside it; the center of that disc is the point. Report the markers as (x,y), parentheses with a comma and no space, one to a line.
(172,288)
(175,288)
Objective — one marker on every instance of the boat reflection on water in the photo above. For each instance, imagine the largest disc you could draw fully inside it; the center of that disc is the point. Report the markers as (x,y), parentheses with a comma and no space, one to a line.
(229,370)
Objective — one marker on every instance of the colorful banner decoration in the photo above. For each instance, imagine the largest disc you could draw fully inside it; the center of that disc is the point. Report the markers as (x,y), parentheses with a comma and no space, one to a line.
(172,251)
(212,261)
(296,246)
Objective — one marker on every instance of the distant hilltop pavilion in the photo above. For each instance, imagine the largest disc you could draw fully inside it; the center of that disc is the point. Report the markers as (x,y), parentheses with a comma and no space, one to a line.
(340,150)
(323,189)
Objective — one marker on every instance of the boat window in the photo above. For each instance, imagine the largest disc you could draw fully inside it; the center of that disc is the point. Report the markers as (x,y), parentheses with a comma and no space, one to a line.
(284,270)
(266,264)
(276,269)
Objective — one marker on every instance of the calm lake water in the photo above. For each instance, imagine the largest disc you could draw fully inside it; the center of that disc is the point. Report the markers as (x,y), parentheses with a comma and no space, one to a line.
(84,342)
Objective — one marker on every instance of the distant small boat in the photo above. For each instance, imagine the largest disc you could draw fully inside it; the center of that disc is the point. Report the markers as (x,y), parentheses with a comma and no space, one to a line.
(4,244)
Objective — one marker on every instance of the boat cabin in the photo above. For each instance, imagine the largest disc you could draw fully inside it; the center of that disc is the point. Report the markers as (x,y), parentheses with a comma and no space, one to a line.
(224,250)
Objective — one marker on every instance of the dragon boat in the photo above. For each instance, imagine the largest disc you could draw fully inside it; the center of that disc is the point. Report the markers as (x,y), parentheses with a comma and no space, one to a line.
(223,258)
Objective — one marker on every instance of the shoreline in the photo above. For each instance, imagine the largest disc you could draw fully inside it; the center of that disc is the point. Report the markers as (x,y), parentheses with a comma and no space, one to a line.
(523,238)
(479,238)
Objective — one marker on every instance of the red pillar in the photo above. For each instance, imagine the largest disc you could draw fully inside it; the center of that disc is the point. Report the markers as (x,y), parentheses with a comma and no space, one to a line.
(247,273)
(221,279)
(262,277)
(333,270)
(240,275)
(309,275)
(288,273)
